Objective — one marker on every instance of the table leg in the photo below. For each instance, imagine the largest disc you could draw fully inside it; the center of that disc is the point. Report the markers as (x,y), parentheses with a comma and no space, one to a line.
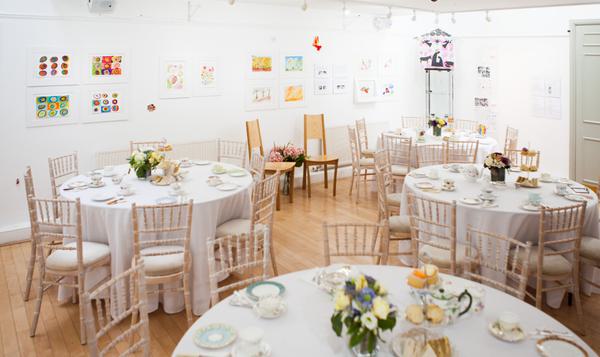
(325,175)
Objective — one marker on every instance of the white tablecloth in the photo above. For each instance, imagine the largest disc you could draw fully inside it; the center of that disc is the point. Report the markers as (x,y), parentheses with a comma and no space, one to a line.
(112,224)
(508,218)
(305,329)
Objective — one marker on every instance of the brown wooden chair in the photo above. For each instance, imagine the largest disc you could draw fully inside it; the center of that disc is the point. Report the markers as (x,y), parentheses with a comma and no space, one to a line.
(363,139)
(511,139)
(314,128)
(355,240)
(283,168)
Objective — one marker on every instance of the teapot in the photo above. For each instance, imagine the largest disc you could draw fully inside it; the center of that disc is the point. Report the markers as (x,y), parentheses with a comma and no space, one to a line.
(454,304)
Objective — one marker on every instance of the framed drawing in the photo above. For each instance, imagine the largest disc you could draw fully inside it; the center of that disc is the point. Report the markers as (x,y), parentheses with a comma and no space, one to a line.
(322,71)
(365,90)
(261,65)
(107,67)
(206,73)
(292,94)
(389,65)
(173,78)
(322,86)
(261,95)
(387,89)
(293,65)
(51,66)
(340,85)
(366,66)
(105,103)
(46,106)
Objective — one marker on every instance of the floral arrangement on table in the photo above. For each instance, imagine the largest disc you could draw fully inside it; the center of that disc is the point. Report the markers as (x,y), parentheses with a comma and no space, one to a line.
(497,163)
(143,161)
(362,306)
(287,153)
(437,124)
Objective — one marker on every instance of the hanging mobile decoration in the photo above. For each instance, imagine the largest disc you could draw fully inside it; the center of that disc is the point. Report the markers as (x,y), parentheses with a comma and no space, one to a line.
(317,44)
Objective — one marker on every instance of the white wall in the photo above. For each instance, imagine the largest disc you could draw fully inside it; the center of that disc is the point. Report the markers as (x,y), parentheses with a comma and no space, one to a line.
(150,30)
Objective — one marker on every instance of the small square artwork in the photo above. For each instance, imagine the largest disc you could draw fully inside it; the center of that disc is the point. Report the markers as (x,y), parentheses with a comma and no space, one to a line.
(322,71)
(47,106)
(51,67)
(261,95)
(293,94)
(294,64)
(107,67)
(340,85)
(105,103)
(365,91)
(367,66)
(208,78)
(173,78)
(262,64)
(388,65)
(387,90)
(206,72)
(322,86)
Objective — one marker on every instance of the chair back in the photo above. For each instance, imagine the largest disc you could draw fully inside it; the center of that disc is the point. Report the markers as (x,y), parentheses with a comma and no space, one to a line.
(355,240)
(28,179)
(511,139)
(431,154)
(110,158)
(398,149)
(162,230)
(354,149)
(237,254)
(130,303)
(465,125)
(61,169)
(254,138)
(461,152)
(414,123)
(506,258)
(257,166)
(385,182)
(526,161)
(231,152)
(361,133)
(560,229)
(314,128)
(264,197)
(432,223)
(196,150)
(146,145)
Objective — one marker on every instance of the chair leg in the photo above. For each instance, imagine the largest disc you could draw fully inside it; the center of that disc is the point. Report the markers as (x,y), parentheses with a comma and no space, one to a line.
(304,176)
(538,291)
(326,181)
(308,180)
(352,182)
(577,296)
(80,291)
(30,269)
(38,301)
(358,186)
(291,175)
(187,298)
(335,172)
(273,259)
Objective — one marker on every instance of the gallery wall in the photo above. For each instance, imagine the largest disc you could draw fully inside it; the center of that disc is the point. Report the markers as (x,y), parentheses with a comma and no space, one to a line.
(518,46)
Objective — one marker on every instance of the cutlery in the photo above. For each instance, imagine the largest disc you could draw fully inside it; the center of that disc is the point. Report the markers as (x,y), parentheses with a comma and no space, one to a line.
(545,332)
(115,200)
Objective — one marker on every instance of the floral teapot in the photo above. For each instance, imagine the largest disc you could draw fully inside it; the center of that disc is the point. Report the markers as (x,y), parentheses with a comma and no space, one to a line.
(454,302)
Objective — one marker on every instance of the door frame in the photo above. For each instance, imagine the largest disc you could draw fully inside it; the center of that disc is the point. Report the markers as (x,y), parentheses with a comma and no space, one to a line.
(573,24)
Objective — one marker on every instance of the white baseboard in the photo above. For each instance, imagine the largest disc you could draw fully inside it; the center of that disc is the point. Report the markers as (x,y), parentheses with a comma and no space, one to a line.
(14,227)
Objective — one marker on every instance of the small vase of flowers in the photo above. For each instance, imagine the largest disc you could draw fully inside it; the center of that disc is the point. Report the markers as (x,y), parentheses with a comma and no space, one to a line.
(142,162)
(497,163)
(437,124)
(362,306)
(287,153)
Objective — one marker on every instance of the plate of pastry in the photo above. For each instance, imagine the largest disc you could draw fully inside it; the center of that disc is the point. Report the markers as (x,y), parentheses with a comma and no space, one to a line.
(421,342)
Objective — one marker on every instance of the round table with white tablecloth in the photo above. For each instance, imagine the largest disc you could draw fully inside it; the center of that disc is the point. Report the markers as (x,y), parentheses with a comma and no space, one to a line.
(111,224)
(508,218)
(305,328)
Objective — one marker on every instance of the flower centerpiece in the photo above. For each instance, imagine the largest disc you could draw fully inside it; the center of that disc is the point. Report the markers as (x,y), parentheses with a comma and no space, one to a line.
(437,124)
(362,306)
(497,163)
(287,153)
(143,161)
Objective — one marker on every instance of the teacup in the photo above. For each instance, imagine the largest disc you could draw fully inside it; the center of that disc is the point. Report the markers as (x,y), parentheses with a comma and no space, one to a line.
(508,321)
(546,176)
(455,167)
(487,194)
(535,199)
(96,178)
(433,174)
(126,189)
(116,179)
(176,186)
(214,180)
(250,340)
(270,306)
(561,188)
(185,162)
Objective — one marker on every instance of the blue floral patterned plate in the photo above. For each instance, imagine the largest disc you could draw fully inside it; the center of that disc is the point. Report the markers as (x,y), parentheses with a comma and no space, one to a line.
(264,288)
(215,336)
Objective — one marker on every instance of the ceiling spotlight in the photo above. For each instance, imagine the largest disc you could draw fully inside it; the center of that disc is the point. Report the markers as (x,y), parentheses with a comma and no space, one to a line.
(453,18)
(305,6)
(414,16)
(345,10)
(437,18)
(487,16)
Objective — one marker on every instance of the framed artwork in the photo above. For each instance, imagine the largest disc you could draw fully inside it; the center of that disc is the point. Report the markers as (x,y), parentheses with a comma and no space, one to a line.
(48,106)
(107,67)
(261,65)
(340,70)
(387,89)
(173,78)
(340,85)
(322,86)
(261,95)
(322,71)
(105,103)
(292,94)
(389,65)
(206,72)
(51,66)
(436,50)
(365,90)
(293,65)
(367,66)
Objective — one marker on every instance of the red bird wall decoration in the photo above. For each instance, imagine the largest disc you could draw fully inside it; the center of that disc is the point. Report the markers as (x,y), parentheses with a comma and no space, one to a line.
(317,44)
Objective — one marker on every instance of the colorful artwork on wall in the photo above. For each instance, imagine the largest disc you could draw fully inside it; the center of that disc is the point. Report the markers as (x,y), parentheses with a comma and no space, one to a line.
(436,50)
(365,90)
(105,103)
(367,66)
(173,78)
(108,67)
(51,67)
(387,89)
(51,106)
(293,65)
(261,95)
(389,65)
(293,94)
(262,65)
(206,77)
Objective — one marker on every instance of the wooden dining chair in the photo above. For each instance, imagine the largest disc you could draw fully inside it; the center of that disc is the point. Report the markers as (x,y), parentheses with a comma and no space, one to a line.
(351,240)
(255,143)
(433,232)
(161,240)
(461,152)
(196,150)
(363,139)
(388,203)
(399,151)
(121,340)
(430,154)
(111,158)
(511,139)
(257,166)
(465,125)
(414,123)
(529,161)
(590,256)
(314,128)
(242,255)
(233,152)
(507,259)
(556,257)
(359,165)
(60,220)
(264,195)
(62,168)
(146,145)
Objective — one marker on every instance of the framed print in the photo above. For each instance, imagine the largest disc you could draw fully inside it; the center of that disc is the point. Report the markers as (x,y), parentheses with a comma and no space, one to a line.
(261,65)
(107,67)
(206,73)
(292,94)
(105,103)
(387,89)
(52,66)
(365,90)
(261,95)
(322,86)
(322,71)
(340,85)
(173,78)
(47,106)
(366,66)
(293,65)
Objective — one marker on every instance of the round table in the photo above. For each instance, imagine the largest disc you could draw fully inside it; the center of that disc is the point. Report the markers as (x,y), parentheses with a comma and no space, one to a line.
(508,218)
(305,329)
(111,224)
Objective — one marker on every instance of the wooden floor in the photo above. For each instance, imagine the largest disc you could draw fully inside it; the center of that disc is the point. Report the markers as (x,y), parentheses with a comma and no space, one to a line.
(298,245)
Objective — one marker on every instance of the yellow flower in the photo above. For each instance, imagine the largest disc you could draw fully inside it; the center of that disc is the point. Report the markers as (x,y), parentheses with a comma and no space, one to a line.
(380,289)
(341,300)
(442,122)
(361,282)
(381,308)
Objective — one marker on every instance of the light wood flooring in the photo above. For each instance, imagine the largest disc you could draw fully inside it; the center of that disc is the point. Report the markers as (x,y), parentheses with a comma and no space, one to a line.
(298,245)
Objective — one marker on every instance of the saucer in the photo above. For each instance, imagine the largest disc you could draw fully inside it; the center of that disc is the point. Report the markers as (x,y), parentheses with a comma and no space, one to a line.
(265,351)
(215,336)
(201,162)
(471,200)
(109,173)
(237,173)
(101,197)
(93,185)
(166,200)
(77,184)
(264,288)
(227,187)
(417,175)
(575,198)
(424,185)
(125,193)
(550,180)
(177,193)
(514,335)
(530,207)
(270,314)
(448,189)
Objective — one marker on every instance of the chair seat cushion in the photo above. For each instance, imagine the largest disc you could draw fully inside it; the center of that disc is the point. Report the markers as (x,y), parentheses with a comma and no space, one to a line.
(367,162)
(162,264)
(236,227)
(399,170)
(399,224)
(590,248)
(553,264)
(67,259)
(440,257)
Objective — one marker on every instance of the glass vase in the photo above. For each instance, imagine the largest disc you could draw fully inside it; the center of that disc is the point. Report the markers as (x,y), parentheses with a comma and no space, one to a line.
(498,174)
(437,131)
(362,349)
